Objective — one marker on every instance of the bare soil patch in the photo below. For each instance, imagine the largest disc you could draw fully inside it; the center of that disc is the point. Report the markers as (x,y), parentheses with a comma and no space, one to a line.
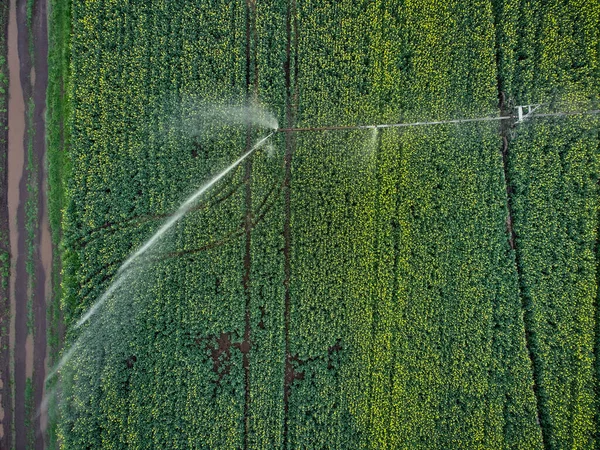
(28,80)
(16,195)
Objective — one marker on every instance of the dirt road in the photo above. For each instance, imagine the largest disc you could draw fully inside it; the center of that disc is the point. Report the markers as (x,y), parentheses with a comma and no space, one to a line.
(17,190)
(26,187)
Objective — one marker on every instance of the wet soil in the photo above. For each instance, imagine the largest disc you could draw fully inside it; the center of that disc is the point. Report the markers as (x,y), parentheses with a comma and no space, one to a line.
(290,372)
(293,363)
(331,354)
(221,356)
(28,78)
(29,356)
(16,196)
(220,352)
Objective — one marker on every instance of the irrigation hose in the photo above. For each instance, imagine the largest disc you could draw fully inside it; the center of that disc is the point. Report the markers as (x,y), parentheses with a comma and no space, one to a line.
(439,122)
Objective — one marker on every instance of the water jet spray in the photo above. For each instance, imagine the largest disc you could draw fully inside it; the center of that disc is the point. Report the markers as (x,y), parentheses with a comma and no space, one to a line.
(183,208)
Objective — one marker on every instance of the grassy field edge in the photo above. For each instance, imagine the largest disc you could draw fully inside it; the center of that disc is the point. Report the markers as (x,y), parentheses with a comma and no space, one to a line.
(58,169)
(6,441)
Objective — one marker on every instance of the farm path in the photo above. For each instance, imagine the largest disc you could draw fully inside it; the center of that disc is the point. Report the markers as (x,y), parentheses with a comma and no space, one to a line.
(17,192)
(16,165)
(26,187)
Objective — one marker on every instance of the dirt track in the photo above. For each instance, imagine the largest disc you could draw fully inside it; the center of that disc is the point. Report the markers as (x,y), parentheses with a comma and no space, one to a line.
(16,212)
(5,391)
(28,77)
(16,116)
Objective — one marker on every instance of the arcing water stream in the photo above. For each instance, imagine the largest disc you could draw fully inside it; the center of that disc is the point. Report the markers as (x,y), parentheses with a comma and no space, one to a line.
(256,116)
(128,274)
(438,122)
(202,115)
(123,272)
(185,206)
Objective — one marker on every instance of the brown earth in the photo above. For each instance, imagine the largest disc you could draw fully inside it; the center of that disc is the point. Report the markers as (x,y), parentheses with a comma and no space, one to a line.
(16,194)
(28,81)
(2,418)
(29,356)
(220,352)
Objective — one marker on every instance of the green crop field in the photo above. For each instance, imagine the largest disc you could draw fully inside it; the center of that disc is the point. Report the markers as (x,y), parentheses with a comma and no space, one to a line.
(430,287)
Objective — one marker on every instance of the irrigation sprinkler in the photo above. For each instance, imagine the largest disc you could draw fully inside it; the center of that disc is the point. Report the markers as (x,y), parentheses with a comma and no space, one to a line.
(520,113)
(530,110)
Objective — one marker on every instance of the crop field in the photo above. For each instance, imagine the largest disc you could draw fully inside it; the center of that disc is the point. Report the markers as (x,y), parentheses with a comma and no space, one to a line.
(430,287)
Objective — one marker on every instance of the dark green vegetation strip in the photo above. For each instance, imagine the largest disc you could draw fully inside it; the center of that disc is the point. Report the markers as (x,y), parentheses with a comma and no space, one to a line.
(359,290)
(31,215)
(57,139)
(550,54)
(29,414)
(268,353)
(5,391)
(138,139)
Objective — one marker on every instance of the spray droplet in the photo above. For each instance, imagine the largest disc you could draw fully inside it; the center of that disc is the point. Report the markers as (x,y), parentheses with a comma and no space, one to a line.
(199,115)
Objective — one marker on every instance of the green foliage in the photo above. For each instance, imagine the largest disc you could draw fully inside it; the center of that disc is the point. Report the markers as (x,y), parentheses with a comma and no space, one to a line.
(406,327)
(29,414)
(130,145)
(554,167)
(31,215)
(3,65)
(4,269)
(58,111)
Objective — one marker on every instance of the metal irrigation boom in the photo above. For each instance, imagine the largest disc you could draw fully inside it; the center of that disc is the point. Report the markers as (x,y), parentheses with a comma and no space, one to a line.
(522,113)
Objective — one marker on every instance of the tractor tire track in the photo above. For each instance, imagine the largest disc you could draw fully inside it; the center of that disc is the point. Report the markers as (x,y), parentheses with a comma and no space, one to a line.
(107,271)
(512,241)
(136,221)
(251,92)
(597,316)
(17,188)
(28,83)
(291,97)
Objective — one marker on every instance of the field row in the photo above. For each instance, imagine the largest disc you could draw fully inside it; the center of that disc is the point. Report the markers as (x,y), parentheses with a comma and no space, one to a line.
(386,306)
